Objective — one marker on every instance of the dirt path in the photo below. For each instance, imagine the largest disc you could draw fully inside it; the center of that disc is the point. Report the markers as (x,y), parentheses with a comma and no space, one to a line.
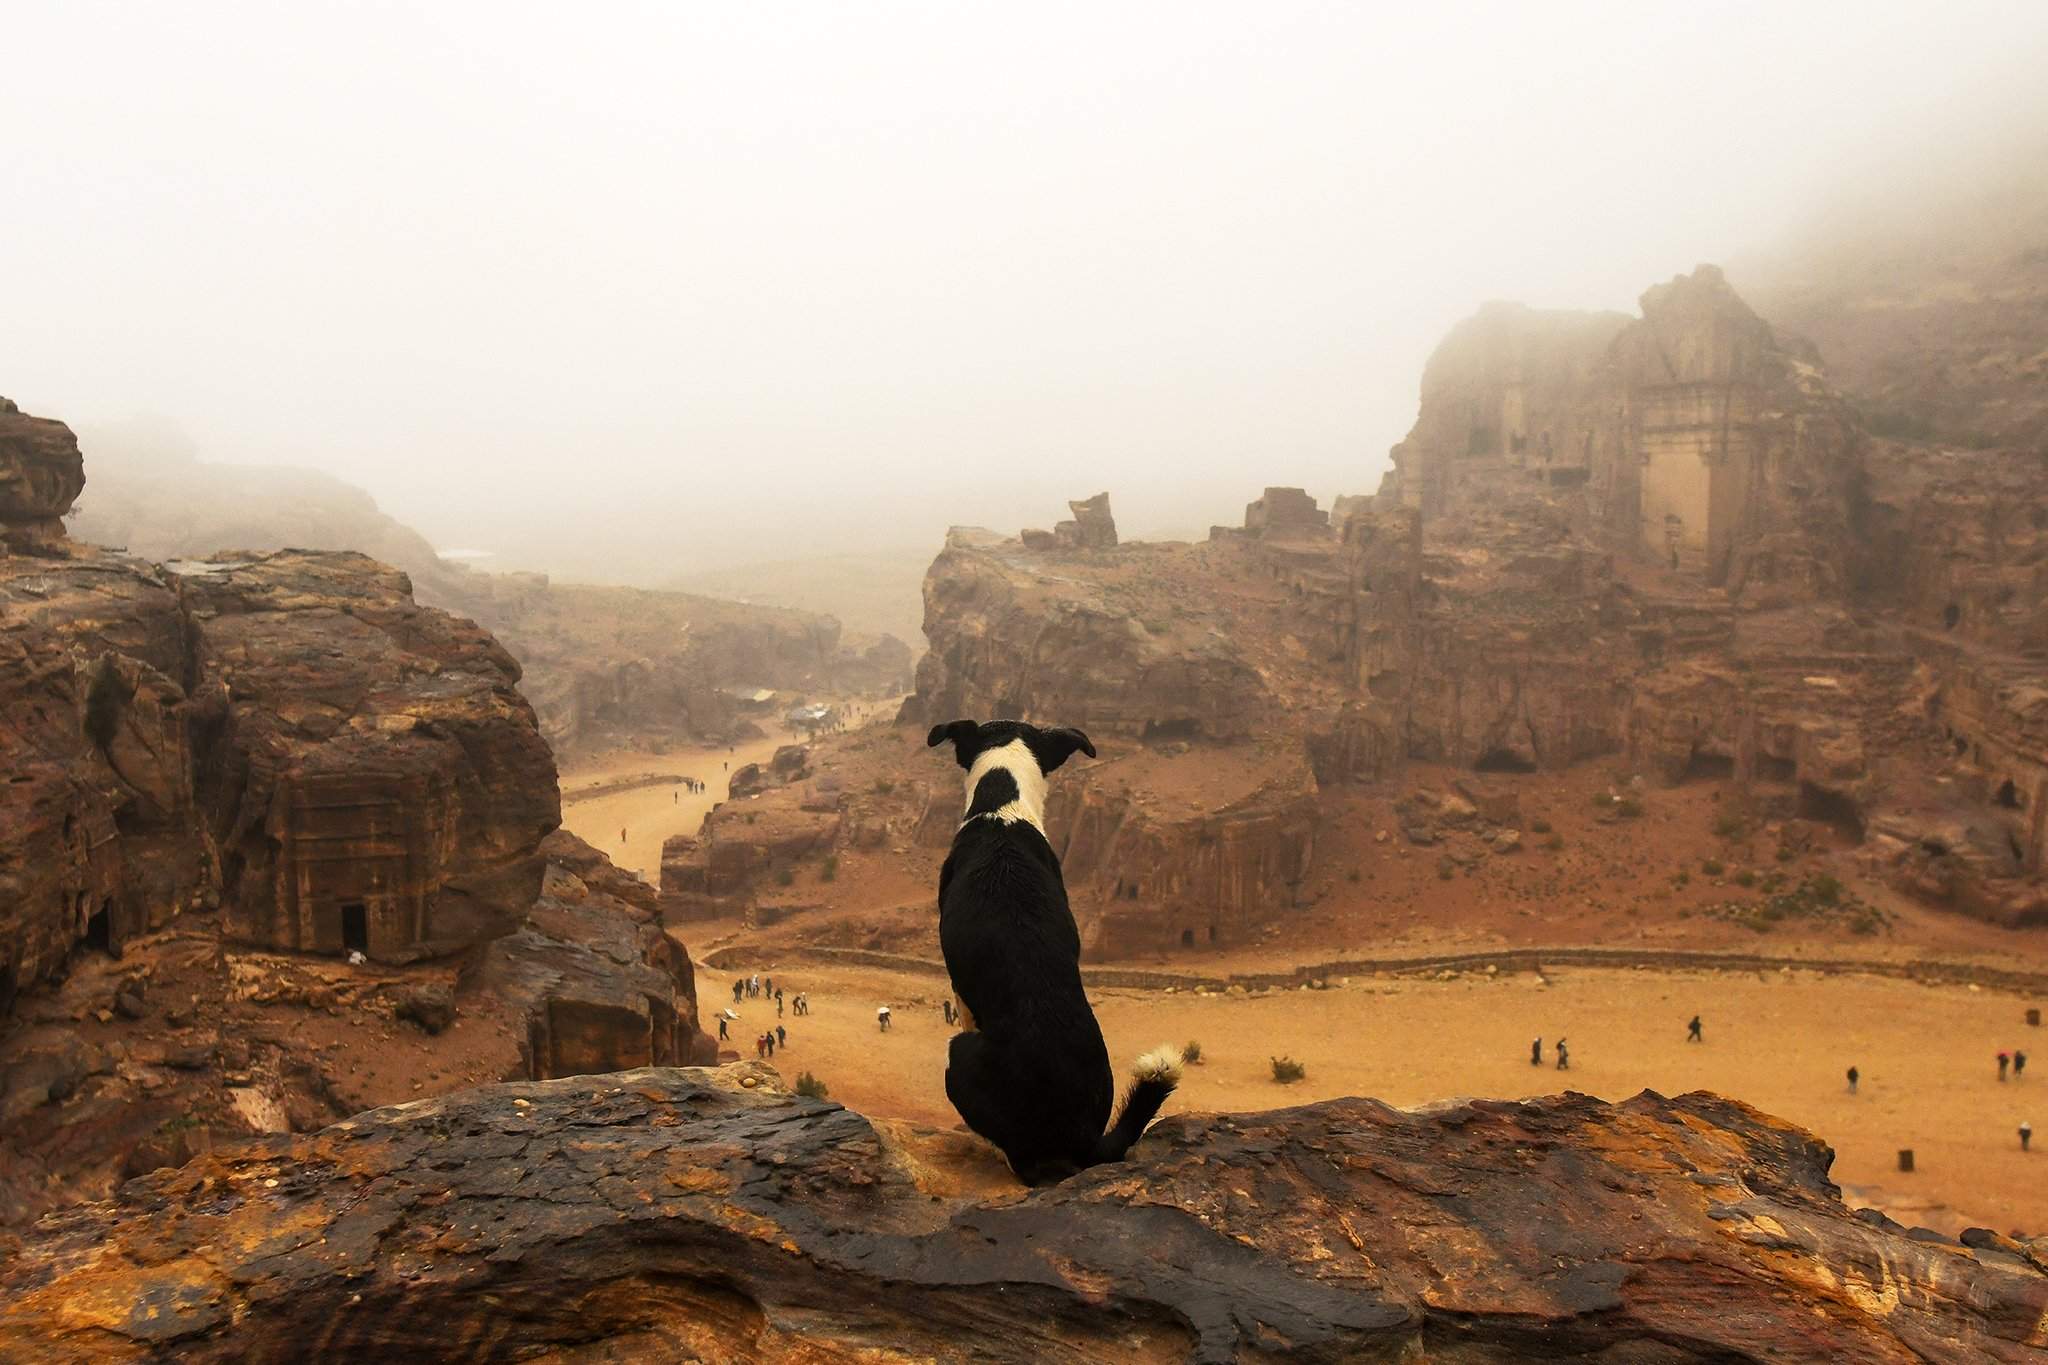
(1780,1040)
(650,815)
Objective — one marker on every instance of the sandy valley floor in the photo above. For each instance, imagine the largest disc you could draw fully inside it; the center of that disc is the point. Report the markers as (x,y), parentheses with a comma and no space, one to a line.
(1779,1041)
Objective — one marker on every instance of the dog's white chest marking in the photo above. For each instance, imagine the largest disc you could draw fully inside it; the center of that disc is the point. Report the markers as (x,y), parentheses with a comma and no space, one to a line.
(1014,758)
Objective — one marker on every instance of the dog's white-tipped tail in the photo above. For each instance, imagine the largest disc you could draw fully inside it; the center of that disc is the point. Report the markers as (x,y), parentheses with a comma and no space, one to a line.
(1161,1066)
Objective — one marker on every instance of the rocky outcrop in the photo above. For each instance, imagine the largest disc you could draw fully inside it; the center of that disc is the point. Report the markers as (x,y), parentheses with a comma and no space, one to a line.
(1695,436)
(711,1214)
(376,782)
(600,985)
(1132,652)
(41,475)
(1092,527)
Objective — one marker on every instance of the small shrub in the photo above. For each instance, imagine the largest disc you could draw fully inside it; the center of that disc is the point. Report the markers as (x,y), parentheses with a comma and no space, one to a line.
(1745,878)
(830,871)
(1191,1052)
(1866,923)
(1824,889)
(784,877)
(884,785)
(1683,878)
(1352,875)
(1713,867)
(1729,825)
(1554,843)
(1629,807)
(810,1087)
(1602,800)
(1539,826)
(1286,1070)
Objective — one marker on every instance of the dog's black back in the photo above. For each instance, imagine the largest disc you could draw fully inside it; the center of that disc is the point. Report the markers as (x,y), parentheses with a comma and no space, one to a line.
(1031,1074)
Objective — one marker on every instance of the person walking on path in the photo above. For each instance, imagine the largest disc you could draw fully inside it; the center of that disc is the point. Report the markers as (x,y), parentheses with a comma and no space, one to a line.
(1692,1031)
(1536,1053)
(778,1004)
(724,1034)
(760,1045)
(739,988)
(2026,1135)
(781,1036)
(882,1018)
(1853,1077)
(771,1045)
(622,834)
(2019,1063)
(1564,1058)
(2004,1061)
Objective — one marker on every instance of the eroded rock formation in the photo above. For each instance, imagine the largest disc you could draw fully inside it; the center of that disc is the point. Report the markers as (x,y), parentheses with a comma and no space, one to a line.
(41,474)
(710,1214)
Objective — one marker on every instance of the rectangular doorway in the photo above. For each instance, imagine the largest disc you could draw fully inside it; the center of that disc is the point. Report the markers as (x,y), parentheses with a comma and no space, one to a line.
(355,928)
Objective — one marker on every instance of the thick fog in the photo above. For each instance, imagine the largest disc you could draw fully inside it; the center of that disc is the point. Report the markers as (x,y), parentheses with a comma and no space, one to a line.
(628,290)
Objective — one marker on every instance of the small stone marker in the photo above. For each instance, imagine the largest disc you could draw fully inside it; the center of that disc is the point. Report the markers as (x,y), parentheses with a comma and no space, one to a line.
(1905,1158)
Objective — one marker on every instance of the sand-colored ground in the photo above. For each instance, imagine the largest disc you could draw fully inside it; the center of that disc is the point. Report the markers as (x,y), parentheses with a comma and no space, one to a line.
(651,815)
(1780,1041)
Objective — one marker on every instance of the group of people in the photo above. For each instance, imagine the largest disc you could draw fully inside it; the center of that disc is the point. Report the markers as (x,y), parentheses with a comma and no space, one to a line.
(758,987)
(1564,1054)
(690,785)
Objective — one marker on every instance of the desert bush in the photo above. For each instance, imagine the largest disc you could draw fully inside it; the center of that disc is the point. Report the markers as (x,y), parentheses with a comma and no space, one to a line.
(1539,826)
(1713,867)
(784,877)
(1286,1070)
(1729,825)
(884,785)
(1191,1052)
(1629,807)
(810,1087)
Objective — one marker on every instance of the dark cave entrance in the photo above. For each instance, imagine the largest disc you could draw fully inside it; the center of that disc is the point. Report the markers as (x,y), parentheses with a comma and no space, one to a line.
(2009,795)
(1703,766)
(1951,616)
(99,930)
(355,928)
(1502,761)
(1831,808)
(1181,727)
(1187,938)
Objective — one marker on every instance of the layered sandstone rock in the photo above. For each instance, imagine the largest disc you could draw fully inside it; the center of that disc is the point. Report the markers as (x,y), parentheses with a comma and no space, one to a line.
(377,783)
(712,1214)
(41,475)
(600,985)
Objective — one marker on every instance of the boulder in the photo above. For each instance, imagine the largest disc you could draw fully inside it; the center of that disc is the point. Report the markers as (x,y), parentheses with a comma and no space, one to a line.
(41,475)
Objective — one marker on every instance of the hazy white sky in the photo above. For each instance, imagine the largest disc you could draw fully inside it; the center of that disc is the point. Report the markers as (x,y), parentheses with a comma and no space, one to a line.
(620,289)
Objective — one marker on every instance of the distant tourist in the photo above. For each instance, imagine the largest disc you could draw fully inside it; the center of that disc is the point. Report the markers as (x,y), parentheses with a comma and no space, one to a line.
(768,985)
(760,1045)
(1536,1053)
(1564,1058)
(739,989)
(781,1036)
(882,1018)
(724,1034)
(771,1044)
(946,1008)
(778,1004)
(622,834)
(2004,1061)
(2019,1063)
(1853,1078)
(2026,1135)
(803,1003)
(1692,1031)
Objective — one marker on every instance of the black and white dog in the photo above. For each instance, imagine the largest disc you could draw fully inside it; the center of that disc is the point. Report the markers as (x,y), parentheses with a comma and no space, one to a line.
(1030,1073)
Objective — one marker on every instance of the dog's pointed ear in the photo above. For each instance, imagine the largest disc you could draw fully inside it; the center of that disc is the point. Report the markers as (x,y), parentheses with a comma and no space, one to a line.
(1055,747)
(963,733)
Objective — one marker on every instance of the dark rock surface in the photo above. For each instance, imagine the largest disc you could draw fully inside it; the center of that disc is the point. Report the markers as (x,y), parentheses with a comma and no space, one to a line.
(711,1215)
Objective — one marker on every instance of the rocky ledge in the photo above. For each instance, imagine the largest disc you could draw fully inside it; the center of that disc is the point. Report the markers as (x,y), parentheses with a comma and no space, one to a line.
(708,1214)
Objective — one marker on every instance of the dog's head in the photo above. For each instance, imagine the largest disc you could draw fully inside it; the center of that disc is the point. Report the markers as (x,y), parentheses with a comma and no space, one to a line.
(970,739)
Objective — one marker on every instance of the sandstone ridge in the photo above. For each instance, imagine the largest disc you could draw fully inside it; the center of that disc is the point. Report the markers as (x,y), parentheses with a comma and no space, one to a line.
(712,1215)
